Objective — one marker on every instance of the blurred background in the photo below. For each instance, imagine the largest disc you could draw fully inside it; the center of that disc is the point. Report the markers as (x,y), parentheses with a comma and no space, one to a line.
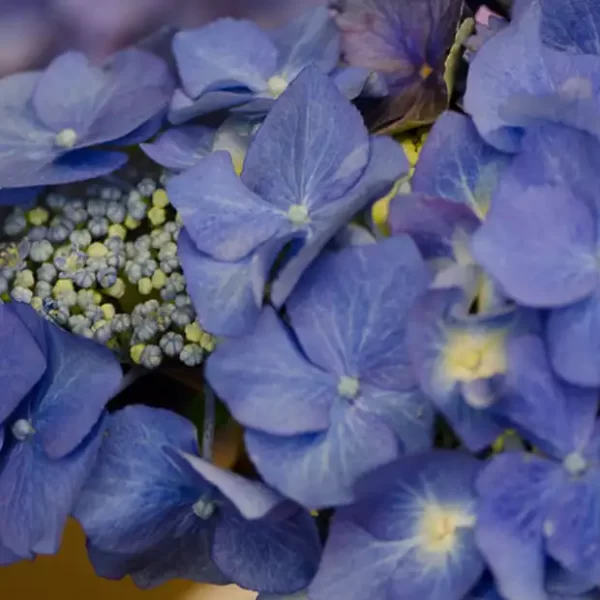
(32,31)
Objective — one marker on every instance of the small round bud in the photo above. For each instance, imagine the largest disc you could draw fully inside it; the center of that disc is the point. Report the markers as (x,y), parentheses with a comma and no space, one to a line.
(110,193)
(94,313)
(171,343)
(191,355)
(160,238)
(146,187)
(81,238)
(159,279)
(60,229)
(78,322)
(183,300)
(136,208)
(55,201)
(41,251)
(182,316)
(37,303)
(193,332)
(75,212)
(43,289)
(151,357)
(14,224)
(148,267)
(145,286)
(38,216)
(170,264)
(97,207)
(132,223)
(116,260)
(160,199)
(107,277)
(24,279)
(116,212)
(95,263)
(21,294)
(167,250)
(121,323)
(117,231)
(133,271)
(157,216)
(37,233)
(84,278)
(97,250)
(117,290)
(98,227)
(102,331)
(142,243)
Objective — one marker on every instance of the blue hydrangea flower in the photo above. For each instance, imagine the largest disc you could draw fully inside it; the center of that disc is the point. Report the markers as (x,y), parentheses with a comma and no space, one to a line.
(50,119)
(299,596)
(181,148)
(310,168)
(516,78)
(235,64)
(547,503)
(55,386)
(413,538)
(407,43)
(335,396)
(540,242)
(203,523)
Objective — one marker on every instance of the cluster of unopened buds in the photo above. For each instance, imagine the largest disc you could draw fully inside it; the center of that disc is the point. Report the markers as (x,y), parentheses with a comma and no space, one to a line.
(101,261)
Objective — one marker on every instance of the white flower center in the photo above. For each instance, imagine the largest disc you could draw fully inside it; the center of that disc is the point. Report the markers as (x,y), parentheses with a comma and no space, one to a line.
(67,138)
(348,387)
(439,525)
(575,464)
(277,85)
(22,429)
(298,214)
(203,509)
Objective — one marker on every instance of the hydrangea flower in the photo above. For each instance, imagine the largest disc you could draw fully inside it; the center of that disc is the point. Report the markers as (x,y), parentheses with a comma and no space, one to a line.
(516,78)
(203,524)
(55,387)
(540,242)
(533,504)
(413,538)
(234,64)
(50,119)
(407,43)
(310,168)
(181,148)
(334,396)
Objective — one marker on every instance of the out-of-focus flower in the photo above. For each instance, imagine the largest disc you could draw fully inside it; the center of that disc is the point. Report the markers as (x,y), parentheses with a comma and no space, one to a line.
(234,64)
(310,168)
(181,148)
(540,242)
(413,537)
(487,24)
(407,42)
(203,523)
(342,400)
(52,412)
(49,119)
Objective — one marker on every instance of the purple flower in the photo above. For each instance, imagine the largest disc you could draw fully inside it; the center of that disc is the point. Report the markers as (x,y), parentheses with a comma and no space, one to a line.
(202,523)
(49,119)
(310,168)
(334,396)
(540,242)
(55,386)
(515,80)
(235,64)
(181,148)
(412,538)
(407,42)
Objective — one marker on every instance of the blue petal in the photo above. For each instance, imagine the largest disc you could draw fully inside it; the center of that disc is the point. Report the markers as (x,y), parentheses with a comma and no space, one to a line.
(22,362)
(228,296)
(81,377)
(102,104)
(8,557)
(527,67)
(119,518)
(392,524)
(455,163)
(38,493)
(515,490)
(565,583)
(183,108)
(349,311)
(387,163)
(188,558)
(539,242)
(574,341)
(252,499)
(319,470)
(310,39)
(224,54)
(222,216)
(18,195)
(311,149)
(181,148)
(351,81)
(298,596)
(267,383)
(430,332)
(572,527)
(271,555)
(440,228)
(571,26)
(144,132)
(555,417)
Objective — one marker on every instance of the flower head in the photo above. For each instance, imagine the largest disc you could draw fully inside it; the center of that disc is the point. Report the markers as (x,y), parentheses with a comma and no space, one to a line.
(291,194)
(335,398)
(234,64)
(414,536)
(407,42)
(51,425)
(204,523)
(51,118)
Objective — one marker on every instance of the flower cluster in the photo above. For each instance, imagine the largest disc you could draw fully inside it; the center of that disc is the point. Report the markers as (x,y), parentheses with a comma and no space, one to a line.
(407,329)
